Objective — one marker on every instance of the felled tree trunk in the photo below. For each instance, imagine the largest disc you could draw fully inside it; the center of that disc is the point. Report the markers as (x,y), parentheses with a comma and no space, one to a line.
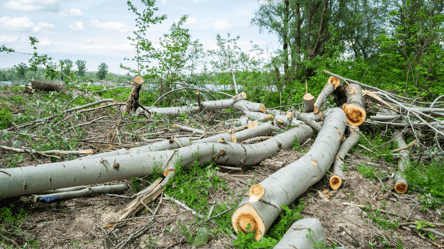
(39,178)
(284,186)
(337,176)
(47,85)
(303,234)
(401,185)
(133,100)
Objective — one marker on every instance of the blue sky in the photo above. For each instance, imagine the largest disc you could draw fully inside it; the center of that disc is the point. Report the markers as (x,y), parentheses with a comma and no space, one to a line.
(96,30)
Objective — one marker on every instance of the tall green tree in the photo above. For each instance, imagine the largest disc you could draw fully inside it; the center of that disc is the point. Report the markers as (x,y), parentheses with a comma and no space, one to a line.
(81,67)
(103,69)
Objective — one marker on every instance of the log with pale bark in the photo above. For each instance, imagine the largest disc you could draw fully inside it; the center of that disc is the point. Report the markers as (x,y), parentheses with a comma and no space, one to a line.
(329,88)
(239,136)
(337,176)
(401,185)
(238,102)
(284,186)
(39,178)
(303,234)
(47,85)
(133,100)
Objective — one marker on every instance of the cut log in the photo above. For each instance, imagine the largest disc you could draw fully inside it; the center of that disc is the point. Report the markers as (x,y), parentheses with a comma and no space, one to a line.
(304,234)
(337,176)
(39,178)
(401,185)
(133,100)
(285,185)
(287,120)
(355,106)
(329,88)
(47,85)
(259,116)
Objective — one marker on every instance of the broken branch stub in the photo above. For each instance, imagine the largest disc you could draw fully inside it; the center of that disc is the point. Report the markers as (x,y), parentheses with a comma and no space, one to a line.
(401,185)
(303,234)
(337,176)
(43,177)
(285,185)
(133,100)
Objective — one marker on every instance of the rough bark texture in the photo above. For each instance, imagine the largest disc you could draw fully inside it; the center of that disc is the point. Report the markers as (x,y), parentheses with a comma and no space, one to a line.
(133,100)
(284,186)
(47,85)
(303,234)
(401,185)
(337,176)
(329,88)
(35,179)
(355,106)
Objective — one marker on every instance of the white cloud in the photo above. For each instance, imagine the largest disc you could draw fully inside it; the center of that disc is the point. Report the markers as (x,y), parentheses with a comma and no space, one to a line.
(41,25)
(126,47)
(90,40)
(46,43)
(8,39)
(164,1)
(23,24)
(109,26)
(77,26)
(16,23)
(75,12)
(192,21)
(33,5)
(222,24)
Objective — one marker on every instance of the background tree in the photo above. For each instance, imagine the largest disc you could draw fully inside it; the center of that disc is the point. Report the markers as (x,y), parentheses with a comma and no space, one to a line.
(103,69)
(81,67)
(144,47)
(21,70)
(65,68)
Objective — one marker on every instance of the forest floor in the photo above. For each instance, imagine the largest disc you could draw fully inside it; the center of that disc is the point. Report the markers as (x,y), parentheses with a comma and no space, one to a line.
(77,223)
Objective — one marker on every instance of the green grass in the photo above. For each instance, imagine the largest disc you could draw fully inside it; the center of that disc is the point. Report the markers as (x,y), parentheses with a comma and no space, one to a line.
(11,221)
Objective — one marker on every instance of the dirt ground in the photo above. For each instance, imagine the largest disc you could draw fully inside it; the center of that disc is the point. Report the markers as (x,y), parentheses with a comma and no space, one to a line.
(77,223)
